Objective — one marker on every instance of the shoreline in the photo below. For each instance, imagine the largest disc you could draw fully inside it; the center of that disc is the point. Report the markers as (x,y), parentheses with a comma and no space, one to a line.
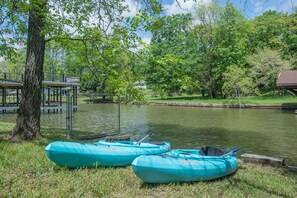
(211,105)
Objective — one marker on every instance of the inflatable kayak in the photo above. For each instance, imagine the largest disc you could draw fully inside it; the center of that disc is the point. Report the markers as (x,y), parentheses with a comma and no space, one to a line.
(102,153)
(183,165)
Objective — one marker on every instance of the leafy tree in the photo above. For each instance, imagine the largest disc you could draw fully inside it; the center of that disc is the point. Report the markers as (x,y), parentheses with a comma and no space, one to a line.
(231,43)
(105,67)
(268,30)
(223,36)
(208,16)
(54,61)
(15,67)
(290,37)
(173,55)
(42,21)
(165,74)
(3,65)
(237,83)
(265,65)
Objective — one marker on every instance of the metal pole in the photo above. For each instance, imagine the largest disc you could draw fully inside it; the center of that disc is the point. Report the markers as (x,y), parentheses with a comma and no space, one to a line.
(68,115)
(18,99)
(71,114)
(61,103)
(119,113)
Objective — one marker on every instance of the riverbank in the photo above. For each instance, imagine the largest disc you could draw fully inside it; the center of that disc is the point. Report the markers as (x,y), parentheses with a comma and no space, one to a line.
(26,172)
(210,105)
(264,102)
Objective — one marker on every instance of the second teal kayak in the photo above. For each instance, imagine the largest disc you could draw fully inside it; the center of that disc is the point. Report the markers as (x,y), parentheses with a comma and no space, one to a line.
(183,165)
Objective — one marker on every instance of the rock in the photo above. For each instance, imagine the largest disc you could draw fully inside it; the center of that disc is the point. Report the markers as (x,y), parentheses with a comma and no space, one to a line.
(264,160)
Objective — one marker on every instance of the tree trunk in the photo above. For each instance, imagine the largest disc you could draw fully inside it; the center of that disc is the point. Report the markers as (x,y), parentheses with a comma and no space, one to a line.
(28,119)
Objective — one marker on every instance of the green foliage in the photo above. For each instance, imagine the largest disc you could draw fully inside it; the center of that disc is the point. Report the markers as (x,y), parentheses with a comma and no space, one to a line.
(269,29)
(173,56)
(223,37)
(15,67)
(165,73)
(290,37)
(230,42)
(265,65)
(208,15)
(237,83)
(13,24)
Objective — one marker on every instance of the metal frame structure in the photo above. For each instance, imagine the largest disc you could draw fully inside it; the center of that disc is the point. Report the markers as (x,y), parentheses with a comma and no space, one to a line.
(51,97)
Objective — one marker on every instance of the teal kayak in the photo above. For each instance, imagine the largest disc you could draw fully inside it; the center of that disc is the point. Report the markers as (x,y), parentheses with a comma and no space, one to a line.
(184,165)
(101,153)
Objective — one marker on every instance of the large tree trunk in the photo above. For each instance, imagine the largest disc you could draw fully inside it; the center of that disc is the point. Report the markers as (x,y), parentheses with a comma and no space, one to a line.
(28,119)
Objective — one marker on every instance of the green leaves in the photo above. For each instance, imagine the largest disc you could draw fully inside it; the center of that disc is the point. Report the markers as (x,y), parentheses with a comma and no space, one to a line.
(172,48)
(237,82)
(265,65)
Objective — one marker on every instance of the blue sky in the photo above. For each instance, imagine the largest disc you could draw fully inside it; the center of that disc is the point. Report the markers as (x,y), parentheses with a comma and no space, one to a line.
(250,8)
(253,8)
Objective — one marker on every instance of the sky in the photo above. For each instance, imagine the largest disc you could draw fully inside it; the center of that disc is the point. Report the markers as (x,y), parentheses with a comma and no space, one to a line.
(251,8)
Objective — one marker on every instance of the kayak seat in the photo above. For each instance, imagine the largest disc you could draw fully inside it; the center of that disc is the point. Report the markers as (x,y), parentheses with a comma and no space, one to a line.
(212,151)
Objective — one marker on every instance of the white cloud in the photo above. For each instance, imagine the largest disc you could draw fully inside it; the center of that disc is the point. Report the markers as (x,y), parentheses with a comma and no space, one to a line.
(182,6)
(133,8)
(146,39)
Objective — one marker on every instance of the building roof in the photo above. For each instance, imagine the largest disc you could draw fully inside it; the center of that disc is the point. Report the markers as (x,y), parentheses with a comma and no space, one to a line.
(288,80)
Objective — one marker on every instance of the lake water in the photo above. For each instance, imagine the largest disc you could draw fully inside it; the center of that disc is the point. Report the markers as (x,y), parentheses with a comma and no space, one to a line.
(258,131)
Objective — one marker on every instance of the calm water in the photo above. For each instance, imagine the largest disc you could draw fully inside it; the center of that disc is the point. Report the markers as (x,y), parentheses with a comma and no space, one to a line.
(266,132)
(258,131)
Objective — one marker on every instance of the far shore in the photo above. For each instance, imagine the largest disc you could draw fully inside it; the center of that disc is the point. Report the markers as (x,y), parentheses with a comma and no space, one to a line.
(214,105)
(287,102)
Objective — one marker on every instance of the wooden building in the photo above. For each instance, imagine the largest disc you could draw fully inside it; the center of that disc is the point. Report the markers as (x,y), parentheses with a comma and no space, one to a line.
(288,81)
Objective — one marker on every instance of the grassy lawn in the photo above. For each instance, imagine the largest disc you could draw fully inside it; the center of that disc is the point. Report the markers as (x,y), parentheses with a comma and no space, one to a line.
(245,100)
(27,172)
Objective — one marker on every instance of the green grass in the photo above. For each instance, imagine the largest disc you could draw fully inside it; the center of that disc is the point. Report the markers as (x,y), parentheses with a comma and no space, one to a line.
(245,100)
(27,172)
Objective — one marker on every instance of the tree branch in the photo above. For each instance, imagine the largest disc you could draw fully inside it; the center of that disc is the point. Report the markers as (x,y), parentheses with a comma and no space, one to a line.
(14,8)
